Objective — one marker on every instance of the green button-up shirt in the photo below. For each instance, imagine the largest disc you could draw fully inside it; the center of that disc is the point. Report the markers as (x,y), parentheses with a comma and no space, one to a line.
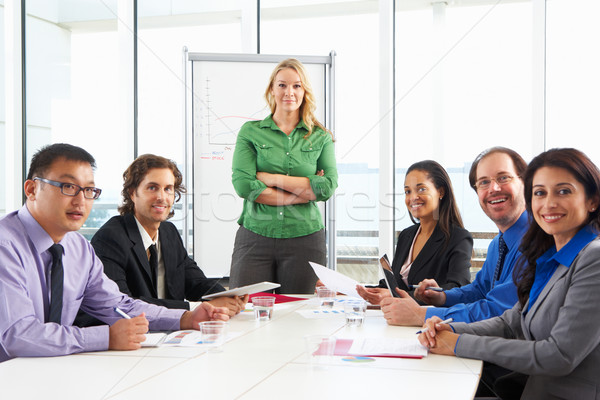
(262,146)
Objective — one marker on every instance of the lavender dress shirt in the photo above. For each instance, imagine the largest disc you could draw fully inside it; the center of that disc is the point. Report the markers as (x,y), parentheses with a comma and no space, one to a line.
(24,294)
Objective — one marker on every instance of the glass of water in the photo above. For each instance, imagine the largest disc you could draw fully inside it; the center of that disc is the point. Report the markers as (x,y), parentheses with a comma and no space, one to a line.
(213,334)
(263,307)
(354,311)
(326,297)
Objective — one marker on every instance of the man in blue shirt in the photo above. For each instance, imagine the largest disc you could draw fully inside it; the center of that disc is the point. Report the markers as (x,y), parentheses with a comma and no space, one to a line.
(495,176)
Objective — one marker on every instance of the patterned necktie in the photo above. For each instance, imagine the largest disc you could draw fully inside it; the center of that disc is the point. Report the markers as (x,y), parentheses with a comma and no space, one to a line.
(502,250)
(56,284)
(153,263)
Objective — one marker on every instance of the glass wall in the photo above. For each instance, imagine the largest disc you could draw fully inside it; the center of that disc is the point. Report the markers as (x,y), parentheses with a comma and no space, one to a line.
(73,89)
(463,84)
(163,31)
(572,79)
(295,30)
(2,114)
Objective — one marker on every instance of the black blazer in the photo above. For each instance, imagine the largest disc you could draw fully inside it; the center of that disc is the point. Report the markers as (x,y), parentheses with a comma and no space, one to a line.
(119,245)
(448,264)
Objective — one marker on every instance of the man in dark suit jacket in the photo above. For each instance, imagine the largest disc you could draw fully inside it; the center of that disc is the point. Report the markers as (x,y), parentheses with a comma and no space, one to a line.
(143,252)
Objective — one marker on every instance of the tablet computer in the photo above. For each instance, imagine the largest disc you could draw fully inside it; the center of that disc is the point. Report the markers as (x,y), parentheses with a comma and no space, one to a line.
(388,275)
(243,290)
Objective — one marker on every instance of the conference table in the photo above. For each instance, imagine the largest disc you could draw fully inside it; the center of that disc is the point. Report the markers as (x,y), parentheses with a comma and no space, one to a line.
(260,360)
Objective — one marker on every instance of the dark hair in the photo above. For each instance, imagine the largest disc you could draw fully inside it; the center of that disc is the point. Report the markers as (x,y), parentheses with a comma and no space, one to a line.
(518,162)
(449,214)
(44,157)
(536,242)
(135,174)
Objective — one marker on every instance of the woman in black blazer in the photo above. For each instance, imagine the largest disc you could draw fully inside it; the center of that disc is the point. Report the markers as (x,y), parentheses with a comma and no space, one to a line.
(437,246)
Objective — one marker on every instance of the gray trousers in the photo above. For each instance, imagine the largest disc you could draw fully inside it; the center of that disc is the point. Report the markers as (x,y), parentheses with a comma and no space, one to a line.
(258,258)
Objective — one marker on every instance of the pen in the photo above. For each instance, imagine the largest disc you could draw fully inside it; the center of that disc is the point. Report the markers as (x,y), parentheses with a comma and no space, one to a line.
(434,288)
(446,321)
(121,313)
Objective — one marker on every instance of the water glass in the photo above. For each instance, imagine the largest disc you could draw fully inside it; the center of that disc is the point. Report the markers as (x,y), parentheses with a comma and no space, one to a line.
(213,334)
(355,312)
(263,307)
(326,297)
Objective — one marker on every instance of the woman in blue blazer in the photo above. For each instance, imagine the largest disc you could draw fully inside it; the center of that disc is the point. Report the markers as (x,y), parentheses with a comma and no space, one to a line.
(437,246)
(552,334)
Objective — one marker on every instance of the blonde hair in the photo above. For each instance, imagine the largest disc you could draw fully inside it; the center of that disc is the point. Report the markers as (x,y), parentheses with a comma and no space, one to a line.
(308,106)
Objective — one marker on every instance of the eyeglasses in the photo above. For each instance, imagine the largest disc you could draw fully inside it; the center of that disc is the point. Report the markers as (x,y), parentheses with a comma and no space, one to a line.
(501,180)
(71,189)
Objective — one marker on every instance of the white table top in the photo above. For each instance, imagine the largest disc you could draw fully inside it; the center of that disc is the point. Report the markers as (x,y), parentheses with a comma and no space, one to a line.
(265,360)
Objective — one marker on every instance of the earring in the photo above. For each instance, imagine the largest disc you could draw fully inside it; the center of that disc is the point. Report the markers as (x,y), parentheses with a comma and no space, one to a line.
(593,209)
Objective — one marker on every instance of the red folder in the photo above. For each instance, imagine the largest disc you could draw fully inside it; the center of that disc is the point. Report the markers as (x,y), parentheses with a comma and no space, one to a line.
(279,298)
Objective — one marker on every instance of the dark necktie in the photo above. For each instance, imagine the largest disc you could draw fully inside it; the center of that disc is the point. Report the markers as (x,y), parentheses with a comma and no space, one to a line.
(502,250)
(153,263)
(56,283)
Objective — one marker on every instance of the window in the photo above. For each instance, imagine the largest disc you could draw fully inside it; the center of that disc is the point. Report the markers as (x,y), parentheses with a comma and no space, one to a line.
(572,81)
(163,31)
(72,82)
(463,84)
(2,114)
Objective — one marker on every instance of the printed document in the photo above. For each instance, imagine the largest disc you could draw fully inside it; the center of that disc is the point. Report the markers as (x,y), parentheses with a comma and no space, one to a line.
(336,281)
(387,347)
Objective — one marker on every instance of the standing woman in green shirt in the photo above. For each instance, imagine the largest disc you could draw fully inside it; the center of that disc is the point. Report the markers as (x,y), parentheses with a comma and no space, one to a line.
(282,166)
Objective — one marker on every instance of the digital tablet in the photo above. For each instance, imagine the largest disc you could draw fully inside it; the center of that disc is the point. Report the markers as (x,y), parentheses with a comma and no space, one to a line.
(243,290)
(388,275)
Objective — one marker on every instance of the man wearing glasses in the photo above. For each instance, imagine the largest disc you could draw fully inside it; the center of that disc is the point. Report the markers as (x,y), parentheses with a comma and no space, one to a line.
(495,177)
(48,270)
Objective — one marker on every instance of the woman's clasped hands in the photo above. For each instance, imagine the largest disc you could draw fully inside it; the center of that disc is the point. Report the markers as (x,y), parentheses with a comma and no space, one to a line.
(438,337)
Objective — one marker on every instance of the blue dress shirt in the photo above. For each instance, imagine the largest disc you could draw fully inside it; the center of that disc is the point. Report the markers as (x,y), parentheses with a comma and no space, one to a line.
(551,259)
(482,299)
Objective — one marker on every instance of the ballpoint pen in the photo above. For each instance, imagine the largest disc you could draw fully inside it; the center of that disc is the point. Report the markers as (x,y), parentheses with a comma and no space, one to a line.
(122,313)
(434,288)
(446,321)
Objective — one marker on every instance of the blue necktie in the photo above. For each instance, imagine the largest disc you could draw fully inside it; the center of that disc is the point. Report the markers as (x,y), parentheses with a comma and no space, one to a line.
(502,250)
(56,284)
